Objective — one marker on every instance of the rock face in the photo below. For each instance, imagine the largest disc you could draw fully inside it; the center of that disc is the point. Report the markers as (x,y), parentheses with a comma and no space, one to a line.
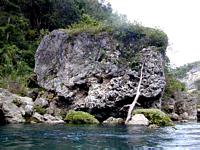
(16,109)
(191,77)
(92,73)
(11,107)
(182,104)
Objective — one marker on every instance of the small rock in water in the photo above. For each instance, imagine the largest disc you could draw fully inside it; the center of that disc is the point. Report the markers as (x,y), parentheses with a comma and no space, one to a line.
(139,119)
(114,121)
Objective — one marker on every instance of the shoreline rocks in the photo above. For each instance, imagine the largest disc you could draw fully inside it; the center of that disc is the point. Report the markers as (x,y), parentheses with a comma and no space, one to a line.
(182,106)
(16,109)
(114,121)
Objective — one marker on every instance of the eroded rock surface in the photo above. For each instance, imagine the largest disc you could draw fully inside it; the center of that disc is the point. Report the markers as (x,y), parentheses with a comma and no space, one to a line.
(17,109)
(182,104)
(113,121)
(12,107)
(92,73)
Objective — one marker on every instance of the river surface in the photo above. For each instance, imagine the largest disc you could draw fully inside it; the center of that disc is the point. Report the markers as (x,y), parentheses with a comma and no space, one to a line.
(89,137)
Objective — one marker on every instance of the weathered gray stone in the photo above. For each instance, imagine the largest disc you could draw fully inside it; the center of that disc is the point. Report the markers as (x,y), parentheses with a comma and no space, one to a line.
(53,109)
(29,109)
(37,118)
(41,102)
(139,119)
(113,121)
(174,117)
(11,106)
(90,72)
(12,113)
(183,104)
(52,120)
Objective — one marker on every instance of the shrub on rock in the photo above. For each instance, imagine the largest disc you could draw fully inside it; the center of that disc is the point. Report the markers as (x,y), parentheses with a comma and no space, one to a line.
(80,117)
(155,116)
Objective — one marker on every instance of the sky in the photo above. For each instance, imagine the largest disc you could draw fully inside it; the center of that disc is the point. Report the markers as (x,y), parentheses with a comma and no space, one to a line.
(179,19)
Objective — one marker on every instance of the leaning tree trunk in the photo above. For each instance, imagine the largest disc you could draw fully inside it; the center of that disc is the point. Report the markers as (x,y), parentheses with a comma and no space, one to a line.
(131,107)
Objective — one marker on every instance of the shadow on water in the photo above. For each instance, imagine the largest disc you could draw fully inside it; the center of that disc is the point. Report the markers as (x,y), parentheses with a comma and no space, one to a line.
(40,137)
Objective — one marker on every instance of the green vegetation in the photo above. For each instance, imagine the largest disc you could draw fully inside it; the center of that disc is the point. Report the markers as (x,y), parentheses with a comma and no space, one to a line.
(131,37)
(172,85)
(22,25)
(155,116)
(79,117)
(24,22)
(180,72)
(40,109)
(86,24)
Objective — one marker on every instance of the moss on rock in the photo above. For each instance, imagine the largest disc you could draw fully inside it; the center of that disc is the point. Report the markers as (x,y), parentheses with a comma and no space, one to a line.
(80,117)
(40,109)
(155,116)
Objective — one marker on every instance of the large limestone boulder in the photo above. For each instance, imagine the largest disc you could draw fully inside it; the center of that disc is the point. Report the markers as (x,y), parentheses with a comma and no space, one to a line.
(98,73)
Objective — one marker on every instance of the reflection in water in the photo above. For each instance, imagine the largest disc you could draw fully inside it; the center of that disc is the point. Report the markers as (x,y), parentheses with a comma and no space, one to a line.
(39,136)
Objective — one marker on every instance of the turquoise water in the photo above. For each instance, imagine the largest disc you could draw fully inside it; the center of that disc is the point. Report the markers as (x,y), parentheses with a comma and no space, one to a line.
(62,137)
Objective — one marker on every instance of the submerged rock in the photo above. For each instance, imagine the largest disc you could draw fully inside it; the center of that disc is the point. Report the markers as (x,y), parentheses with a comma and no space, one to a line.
(113,121)
(155,116)
(80,117)
(139,119)
(97,74)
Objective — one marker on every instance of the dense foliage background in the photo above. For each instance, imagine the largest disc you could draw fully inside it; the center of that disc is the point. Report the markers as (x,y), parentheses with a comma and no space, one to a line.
(23,23)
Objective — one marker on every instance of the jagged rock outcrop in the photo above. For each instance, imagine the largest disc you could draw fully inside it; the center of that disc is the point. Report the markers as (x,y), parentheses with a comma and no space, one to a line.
(12,107)
(182,106)
(93,72)
(191,77)
(17,109)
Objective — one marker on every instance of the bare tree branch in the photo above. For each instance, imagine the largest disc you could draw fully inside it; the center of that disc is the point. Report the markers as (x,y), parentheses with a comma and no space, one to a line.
(131,107)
